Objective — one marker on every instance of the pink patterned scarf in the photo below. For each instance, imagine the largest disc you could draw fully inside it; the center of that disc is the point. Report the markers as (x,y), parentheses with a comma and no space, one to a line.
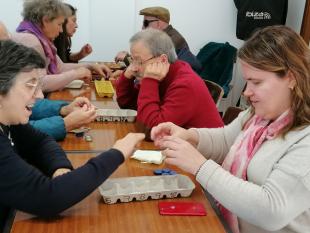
(256,131)
(48,47)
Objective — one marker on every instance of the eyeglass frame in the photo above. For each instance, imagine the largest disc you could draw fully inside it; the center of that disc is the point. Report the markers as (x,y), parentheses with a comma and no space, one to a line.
(140,63)
(36,86)
(147,22)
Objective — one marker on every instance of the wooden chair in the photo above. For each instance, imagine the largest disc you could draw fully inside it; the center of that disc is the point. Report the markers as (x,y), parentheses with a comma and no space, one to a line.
(231,113)
(215,90)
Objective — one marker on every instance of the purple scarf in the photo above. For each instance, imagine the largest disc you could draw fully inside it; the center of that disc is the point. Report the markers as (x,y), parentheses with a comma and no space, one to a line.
(48,47)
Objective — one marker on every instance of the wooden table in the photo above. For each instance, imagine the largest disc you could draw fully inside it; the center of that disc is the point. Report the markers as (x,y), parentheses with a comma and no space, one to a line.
(103,134)
(91,215)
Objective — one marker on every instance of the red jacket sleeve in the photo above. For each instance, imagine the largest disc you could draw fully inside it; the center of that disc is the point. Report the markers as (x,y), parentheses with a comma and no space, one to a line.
(153,110)
(127,92)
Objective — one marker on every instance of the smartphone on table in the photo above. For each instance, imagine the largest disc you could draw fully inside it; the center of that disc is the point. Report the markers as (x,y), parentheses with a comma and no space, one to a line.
(181,208)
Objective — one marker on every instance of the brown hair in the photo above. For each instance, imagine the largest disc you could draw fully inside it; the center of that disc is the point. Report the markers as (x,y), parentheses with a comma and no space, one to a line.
(279,49)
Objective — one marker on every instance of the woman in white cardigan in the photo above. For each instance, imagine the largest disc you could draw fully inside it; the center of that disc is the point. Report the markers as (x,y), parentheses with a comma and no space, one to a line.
(258,167)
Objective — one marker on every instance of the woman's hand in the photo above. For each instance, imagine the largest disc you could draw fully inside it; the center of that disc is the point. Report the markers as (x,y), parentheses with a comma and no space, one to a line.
(128,143)
(83,73)
(85,51)
(170,129)
(77,103)
(182,154)
(80,117)
(100,68)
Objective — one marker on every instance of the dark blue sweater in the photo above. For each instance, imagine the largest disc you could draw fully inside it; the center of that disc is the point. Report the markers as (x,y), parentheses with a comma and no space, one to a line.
(26,168)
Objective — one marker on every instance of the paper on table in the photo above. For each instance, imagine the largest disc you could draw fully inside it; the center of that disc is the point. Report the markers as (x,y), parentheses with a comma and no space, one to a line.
(75,84)
(148,156)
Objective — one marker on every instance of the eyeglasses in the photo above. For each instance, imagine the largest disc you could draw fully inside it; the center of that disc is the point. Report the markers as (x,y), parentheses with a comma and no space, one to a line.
(139,62)
(36,87)
(146,22)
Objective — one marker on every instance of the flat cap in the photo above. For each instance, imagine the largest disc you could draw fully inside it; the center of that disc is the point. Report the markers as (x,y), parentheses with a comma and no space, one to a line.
(158,12)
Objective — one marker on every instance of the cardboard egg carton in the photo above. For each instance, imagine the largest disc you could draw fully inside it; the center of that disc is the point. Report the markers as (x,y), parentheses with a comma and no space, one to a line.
(142,188)
(119,115)
(104,88)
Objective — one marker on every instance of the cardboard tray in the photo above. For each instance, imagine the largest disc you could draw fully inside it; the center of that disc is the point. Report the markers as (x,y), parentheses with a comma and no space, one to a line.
(104,88)
(142,188)
(121,115)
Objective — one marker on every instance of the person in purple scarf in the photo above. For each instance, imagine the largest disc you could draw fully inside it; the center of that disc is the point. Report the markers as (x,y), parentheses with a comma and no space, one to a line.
(42,23)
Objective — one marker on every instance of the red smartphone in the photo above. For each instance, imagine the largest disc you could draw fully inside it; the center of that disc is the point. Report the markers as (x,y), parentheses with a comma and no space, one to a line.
(181,208)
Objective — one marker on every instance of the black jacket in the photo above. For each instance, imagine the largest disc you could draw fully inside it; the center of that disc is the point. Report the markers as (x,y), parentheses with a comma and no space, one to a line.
(255,14)
(26,168)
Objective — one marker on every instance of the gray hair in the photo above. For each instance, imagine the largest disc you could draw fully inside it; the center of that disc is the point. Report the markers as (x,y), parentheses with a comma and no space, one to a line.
(35,10)
(158,42)
(16,58)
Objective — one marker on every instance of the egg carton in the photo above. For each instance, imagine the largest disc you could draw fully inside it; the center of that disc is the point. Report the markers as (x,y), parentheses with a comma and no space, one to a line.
(141,188)
(120,115)
(104,88)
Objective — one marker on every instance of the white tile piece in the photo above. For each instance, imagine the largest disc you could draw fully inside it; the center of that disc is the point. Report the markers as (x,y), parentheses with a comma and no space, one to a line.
(149,156)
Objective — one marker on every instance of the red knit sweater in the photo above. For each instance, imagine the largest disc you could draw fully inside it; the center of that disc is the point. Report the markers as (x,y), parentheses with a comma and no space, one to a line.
(181,97)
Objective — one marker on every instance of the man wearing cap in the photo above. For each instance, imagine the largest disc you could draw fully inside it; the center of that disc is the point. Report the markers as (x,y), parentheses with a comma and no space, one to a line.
(159,18)
(163,88)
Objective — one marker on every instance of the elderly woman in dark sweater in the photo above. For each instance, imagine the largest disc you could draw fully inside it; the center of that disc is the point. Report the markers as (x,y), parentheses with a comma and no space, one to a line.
(35,175)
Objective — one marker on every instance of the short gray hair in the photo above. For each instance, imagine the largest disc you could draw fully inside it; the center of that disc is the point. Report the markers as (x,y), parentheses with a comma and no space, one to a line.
(35,10)
(158,42)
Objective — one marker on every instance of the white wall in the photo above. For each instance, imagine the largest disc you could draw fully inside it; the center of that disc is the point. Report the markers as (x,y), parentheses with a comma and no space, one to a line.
(108,24)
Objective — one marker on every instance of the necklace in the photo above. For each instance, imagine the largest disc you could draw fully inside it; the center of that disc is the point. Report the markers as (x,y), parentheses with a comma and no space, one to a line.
(7,134)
